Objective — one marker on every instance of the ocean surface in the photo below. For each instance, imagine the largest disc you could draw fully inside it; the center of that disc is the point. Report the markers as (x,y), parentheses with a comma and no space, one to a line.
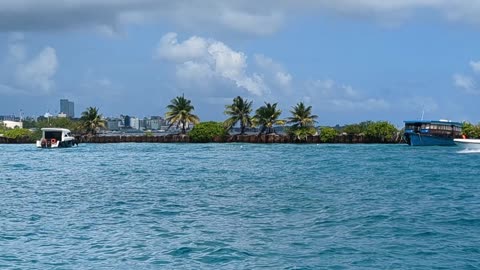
(239,206)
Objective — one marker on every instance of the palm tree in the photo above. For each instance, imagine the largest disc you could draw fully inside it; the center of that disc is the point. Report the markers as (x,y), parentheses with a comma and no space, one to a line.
(180,113)
(267,116)
(92,120)
(302,116)
(239,111)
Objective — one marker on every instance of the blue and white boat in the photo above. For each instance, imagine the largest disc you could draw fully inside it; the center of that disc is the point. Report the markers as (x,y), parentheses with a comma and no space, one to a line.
(424,132)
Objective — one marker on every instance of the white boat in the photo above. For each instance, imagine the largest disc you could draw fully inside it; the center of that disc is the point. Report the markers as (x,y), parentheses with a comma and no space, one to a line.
(55,138)
(468,143)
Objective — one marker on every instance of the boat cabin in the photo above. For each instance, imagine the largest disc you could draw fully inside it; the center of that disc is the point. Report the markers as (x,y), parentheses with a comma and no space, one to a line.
(441,132)
(441,128)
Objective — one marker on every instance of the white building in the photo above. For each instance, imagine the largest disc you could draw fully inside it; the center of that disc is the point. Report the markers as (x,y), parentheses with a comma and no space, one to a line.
(12,124)
(134,123)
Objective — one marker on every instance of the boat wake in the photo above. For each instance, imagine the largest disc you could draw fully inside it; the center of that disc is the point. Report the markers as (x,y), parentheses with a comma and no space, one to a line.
(469,151)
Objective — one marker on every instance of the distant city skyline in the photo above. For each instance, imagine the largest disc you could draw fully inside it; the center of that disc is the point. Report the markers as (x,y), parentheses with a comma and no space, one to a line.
(67,107)
(351,60)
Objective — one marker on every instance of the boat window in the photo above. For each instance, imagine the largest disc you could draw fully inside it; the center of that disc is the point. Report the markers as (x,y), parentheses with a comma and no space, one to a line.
(57,135)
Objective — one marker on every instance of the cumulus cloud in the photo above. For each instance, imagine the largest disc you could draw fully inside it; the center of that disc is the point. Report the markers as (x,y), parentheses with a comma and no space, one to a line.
(334,96)
(466,83)
(277,74)
(38,72)
(206,64)
(200,59)
(32,76)
(475,65)
(246,16)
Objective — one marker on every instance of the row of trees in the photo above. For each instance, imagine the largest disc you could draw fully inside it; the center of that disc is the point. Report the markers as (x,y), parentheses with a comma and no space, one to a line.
(180,114)
(301,122)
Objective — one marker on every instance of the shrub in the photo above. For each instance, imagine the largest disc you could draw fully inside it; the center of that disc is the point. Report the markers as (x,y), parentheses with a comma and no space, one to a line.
(301,133)
(471,130)
(207,131)
(17,133)
(381,130)
(328,135)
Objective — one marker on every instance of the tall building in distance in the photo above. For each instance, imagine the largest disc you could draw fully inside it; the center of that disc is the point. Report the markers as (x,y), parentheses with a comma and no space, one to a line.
(67,107)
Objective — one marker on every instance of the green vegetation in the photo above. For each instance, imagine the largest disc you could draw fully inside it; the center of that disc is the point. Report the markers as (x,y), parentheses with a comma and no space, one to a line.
(302,116)
(266,117)
(328,134)
(239,111)
(381,130)
(180,113)
(303,122)
(207,131)
(18,133)
(355,129)
(301,133)
(91,121)
(471,130)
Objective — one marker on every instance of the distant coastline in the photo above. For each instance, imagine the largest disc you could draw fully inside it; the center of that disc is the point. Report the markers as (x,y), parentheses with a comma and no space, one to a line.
(262,138)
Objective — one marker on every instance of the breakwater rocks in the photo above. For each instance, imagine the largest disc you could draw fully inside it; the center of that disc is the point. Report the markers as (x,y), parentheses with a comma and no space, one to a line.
(270,138)
(5,140)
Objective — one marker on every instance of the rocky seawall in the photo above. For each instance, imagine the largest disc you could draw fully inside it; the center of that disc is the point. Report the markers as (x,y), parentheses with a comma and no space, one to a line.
(270,138)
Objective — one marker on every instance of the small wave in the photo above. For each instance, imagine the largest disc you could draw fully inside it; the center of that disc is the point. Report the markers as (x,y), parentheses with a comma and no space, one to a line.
(181,252)
(469,151)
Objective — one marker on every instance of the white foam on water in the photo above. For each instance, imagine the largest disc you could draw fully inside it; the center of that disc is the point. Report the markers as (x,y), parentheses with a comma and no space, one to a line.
(469,151)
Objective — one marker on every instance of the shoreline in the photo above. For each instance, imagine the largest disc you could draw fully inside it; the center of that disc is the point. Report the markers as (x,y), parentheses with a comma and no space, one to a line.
(264,138)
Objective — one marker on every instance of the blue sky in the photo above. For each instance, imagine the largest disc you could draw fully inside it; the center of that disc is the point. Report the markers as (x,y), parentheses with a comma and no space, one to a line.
(351,60)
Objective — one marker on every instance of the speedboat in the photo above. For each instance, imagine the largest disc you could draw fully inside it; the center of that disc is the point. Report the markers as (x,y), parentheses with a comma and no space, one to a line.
(468,143)
(56,138)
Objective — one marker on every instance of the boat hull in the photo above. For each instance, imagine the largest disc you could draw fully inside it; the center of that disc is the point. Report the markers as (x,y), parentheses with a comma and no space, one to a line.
(468,143)
(58,144)
(416,139)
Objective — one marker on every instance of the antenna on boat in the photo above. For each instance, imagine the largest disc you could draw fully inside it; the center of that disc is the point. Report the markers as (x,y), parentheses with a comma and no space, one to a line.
(423,111)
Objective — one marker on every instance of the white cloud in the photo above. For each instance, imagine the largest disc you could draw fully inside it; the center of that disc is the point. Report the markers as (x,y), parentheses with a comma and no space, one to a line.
(38,72)
(329,88)
(28,75)
(17,51)
(466,83)
(242,21)
(246,16)
(276,72)
(340,97)
(199,59)
(475,65)
(283,79)
(192,48)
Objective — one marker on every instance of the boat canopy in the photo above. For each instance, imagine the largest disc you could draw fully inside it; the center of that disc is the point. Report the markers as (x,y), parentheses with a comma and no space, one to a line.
(435,122)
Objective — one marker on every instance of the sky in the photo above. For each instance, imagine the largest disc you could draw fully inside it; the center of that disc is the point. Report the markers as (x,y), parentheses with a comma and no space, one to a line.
(351,60)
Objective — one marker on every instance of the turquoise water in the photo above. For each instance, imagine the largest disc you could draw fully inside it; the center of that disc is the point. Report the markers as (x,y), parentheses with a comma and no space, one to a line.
(239,206)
